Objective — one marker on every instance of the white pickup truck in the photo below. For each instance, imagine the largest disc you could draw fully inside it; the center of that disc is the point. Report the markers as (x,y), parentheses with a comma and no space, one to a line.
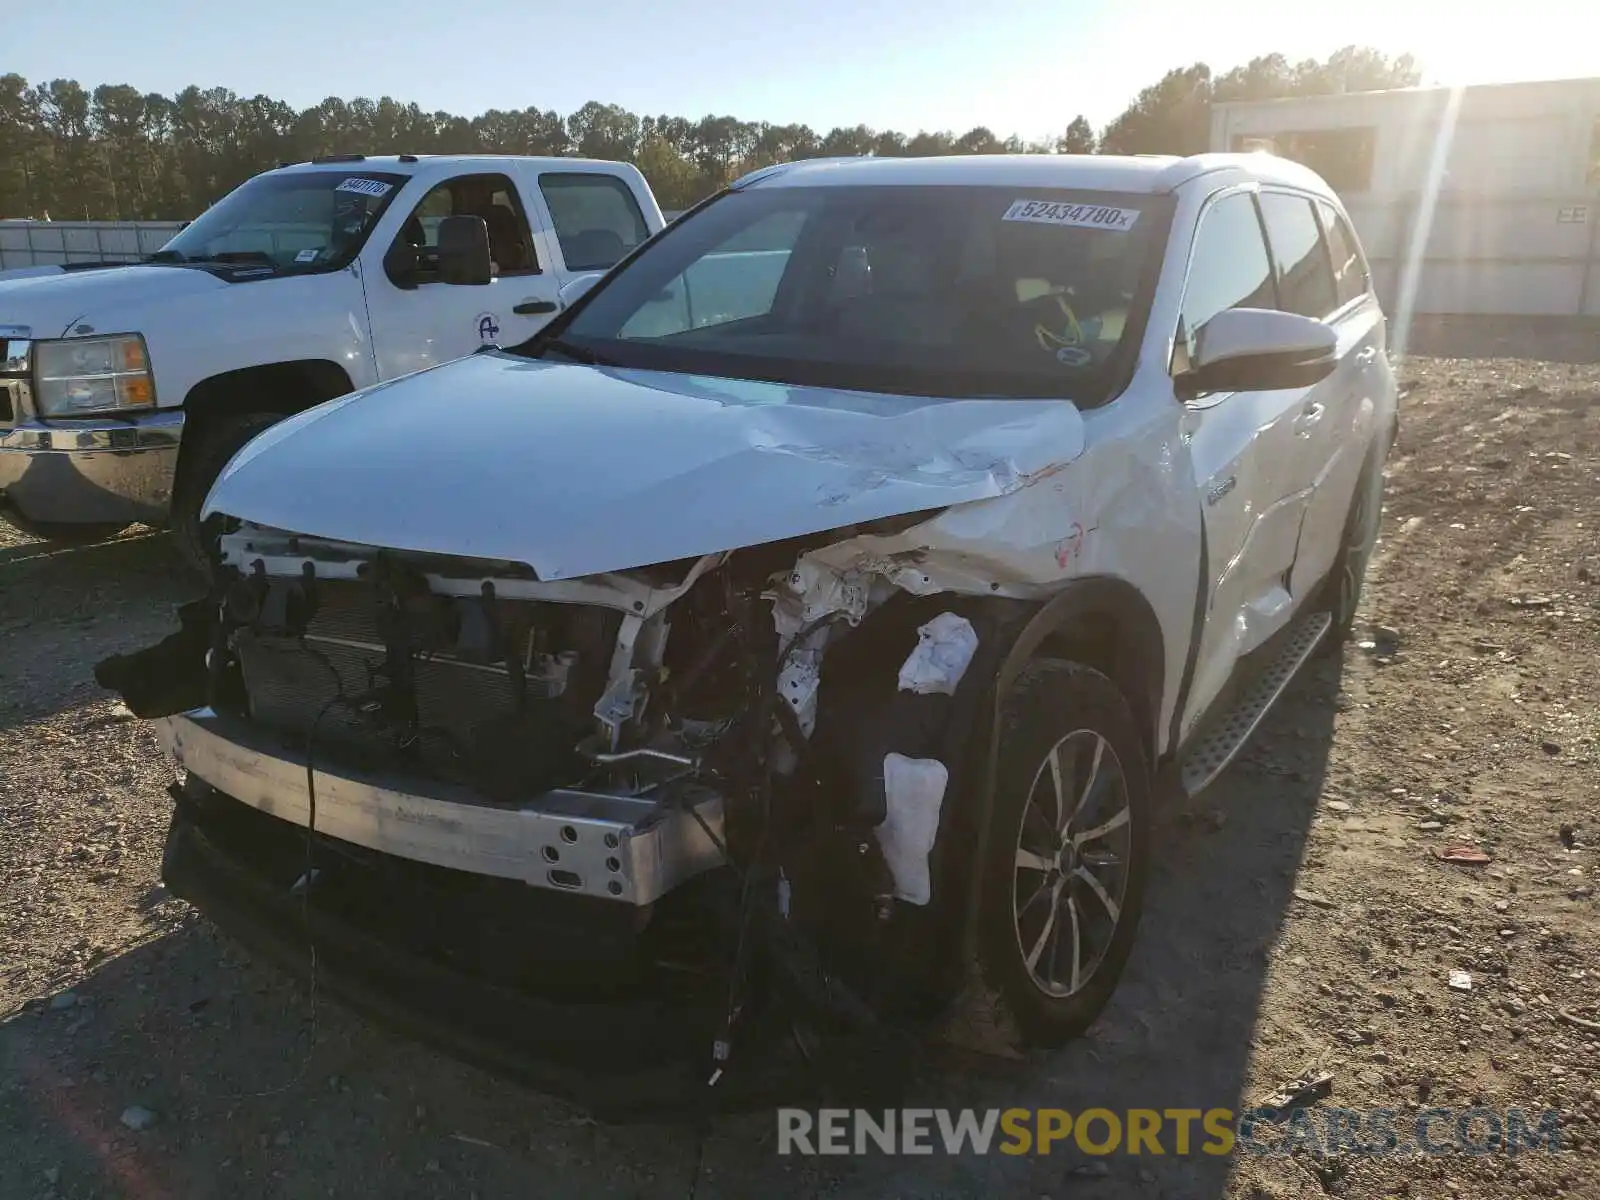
(124,390)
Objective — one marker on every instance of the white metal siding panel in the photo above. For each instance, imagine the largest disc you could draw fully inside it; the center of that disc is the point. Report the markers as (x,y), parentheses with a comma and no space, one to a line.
(1510,228)
(1511,154)
(1380,225)
(1541,289)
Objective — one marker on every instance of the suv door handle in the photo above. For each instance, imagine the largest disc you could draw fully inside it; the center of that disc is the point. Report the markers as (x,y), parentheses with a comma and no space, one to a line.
(530,308)
(1310,414)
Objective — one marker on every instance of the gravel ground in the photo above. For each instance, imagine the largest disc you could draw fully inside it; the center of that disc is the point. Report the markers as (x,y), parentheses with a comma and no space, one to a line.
(1301,918)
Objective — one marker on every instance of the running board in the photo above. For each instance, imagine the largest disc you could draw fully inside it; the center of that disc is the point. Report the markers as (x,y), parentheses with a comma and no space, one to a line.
(1225,735)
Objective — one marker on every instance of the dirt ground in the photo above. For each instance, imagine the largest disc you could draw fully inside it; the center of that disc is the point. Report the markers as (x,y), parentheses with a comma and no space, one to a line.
(1300,919)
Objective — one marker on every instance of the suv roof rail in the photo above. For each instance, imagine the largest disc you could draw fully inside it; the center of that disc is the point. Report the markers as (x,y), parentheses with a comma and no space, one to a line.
(767,172)
(339,158)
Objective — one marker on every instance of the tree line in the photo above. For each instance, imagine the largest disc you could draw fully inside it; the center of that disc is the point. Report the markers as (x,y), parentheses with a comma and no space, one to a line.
(115,153)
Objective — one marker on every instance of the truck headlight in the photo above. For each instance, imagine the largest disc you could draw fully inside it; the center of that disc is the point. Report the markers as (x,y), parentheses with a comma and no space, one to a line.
(79,377)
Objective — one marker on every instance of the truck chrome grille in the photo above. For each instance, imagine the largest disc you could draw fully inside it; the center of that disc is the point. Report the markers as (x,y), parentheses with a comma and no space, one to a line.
(16,364)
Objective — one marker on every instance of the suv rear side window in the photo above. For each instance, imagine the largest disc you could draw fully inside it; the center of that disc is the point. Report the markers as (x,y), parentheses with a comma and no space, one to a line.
(1305,280)
(1349,275)
(596,217)
(1228,269)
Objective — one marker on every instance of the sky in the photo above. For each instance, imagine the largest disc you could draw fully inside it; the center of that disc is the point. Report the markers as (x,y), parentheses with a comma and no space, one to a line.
(1018,68)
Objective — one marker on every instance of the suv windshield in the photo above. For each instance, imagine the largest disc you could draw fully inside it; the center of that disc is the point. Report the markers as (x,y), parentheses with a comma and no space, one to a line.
(303,219)
(949,291)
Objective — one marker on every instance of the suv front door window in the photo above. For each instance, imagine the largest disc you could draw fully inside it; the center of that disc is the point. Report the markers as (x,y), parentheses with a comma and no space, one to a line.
(1228,268)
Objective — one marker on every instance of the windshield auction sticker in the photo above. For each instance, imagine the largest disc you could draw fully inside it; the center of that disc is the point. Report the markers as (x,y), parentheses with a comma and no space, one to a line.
(1080,216)
(365,187)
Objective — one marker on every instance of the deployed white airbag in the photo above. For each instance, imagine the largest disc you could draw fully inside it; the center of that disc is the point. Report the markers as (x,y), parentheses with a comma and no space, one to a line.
(945,646)
(914,788)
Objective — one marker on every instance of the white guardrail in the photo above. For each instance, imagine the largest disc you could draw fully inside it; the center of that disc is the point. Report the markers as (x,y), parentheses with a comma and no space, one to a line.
(61,243)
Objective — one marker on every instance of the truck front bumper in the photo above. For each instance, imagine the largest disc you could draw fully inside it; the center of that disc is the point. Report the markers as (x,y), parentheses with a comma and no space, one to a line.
(91,472)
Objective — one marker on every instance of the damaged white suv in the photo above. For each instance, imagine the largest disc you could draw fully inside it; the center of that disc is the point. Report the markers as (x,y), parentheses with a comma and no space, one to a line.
(782,648)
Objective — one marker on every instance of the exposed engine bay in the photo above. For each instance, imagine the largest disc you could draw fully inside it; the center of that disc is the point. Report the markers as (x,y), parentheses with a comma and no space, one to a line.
(756,756)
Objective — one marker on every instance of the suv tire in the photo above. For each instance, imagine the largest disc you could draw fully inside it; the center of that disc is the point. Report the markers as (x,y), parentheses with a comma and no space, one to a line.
(1064,880)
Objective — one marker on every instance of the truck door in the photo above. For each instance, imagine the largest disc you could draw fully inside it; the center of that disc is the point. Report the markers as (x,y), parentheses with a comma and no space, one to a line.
(433,321)
(1242,452)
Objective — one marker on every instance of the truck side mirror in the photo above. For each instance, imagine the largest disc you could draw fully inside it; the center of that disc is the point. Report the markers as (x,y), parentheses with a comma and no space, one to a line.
(464,250)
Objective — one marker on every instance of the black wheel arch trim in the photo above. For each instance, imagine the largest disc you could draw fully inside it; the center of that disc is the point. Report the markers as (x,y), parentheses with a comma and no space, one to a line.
(303,382)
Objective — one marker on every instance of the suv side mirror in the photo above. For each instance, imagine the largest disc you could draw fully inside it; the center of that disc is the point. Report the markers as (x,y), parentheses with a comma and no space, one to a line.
(1259,350)
(464,250)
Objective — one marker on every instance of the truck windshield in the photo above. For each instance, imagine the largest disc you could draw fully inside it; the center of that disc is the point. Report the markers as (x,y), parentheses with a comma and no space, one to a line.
(304,219)
(940,290)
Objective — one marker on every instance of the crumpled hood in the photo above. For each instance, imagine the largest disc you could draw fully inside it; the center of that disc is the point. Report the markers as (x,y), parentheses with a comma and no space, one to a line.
(51,304)
(576,470)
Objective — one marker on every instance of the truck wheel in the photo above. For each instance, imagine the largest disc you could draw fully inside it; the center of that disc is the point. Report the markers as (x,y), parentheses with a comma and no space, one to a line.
(60,534)
(205,453)
(1068,850)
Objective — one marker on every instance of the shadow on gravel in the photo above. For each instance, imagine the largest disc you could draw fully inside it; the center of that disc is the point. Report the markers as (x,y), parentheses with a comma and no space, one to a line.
(258,1092)
(117,562)
(63,609)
